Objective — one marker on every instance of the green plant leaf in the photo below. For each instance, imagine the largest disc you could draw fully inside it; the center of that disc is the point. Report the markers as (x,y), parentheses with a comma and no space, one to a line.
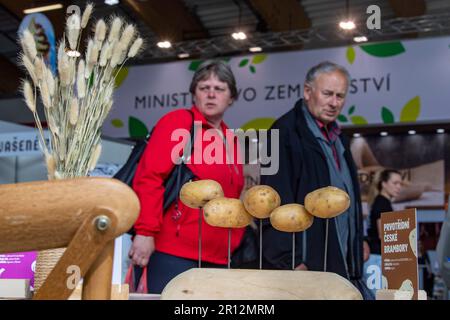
(351,54)
(136,128)
(243,63)
(342,118)
(411,110)
(259,58)
(258,123)
(120,77)
(358,120)
(253,69)
(387,115)
(351,110)
(193,66)
(383,50)
(117,123)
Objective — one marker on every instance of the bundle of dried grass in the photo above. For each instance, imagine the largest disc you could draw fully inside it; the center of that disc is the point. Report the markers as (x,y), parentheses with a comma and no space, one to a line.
(77,99)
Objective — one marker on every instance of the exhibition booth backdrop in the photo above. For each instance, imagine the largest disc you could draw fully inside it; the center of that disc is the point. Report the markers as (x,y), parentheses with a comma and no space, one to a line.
(391,82)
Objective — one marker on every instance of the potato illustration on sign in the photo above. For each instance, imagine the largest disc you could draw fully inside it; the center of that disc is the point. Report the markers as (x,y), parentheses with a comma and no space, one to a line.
(413,241)
(407,285)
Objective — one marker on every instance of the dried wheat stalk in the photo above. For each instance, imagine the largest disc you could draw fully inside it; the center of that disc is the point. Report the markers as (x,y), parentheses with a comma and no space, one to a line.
(77,99)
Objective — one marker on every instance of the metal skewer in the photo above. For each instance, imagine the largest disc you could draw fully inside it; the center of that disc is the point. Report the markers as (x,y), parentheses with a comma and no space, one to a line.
(229,248)
(260,244)
(326,247)
(200,238)
(293,250)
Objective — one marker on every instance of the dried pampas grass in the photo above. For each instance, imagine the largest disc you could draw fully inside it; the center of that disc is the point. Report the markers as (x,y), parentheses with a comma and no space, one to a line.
(137,44)
(79,97)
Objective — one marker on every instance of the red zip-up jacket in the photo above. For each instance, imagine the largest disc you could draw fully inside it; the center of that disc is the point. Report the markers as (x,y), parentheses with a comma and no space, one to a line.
(179,237)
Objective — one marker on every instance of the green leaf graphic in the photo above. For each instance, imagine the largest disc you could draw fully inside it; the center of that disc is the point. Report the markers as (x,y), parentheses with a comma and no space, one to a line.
(351,110)
(259,58)
(117,123)
(387,115)
(342,118)
(136,128)
(252,69)
(358,120)
(258,123)
(383,50)
(243,63)
(120,77)
(411,110)
(193,66)
(351,54)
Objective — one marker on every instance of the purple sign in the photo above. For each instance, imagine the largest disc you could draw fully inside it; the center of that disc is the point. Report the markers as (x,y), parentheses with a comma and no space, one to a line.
(18,265)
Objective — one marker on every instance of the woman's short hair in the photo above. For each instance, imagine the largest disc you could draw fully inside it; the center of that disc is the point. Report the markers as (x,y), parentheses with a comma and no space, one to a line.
(325,67)
(219,68)
(384,176)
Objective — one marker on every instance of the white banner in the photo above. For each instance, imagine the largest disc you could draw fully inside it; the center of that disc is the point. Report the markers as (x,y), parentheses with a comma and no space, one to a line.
(21,143)
(391,82)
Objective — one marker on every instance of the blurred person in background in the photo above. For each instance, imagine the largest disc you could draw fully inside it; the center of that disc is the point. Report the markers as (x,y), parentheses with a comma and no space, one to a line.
(167,242)
(385,187)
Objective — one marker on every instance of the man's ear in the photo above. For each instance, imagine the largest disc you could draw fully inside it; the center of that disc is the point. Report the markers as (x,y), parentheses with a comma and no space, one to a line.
(307,92)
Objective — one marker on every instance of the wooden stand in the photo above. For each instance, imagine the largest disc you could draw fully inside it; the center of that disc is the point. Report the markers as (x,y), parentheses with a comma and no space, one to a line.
(243,284)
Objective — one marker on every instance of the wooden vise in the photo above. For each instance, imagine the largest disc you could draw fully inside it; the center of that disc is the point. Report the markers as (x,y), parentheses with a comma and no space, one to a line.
(84,214)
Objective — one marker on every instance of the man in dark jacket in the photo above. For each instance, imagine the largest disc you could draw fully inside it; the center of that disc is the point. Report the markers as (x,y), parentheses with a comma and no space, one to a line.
(314,154)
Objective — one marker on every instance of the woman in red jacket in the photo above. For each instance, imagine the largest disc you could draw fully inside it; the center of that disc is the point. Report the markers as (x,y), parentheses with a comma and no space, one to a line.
(168,242)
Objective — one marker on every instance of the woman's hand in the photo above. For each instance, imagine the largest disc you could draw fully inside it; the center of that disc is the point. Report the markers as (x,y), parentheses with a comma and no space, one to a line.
(141,250)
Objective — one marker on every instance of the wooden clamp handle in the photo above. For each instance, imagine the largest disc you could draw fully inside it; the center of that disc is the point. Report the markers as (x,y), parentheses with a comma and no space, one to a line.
(85,247)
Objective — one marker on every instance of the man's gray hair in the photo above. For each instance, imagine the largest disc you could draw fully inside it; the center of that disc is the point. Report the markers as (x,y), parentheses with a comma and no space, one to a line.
(219,68)
(325,67)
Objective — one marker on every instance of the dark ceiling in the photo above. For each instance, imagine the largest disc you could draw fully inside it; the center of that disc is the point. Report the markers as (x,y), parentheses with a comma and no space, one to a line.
(202,27)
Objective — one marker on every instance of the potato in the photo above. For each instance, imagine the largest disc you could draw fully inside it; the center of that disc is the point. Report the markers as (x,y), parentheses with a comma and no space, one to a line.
(327,202)
(261,200)
(226,213)
(196,194)
(291,217)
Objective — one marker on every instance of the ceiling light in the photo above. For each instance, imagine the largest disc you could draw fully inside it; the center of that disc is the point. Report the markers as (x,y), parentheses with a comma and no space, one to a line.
(73,53)
(383,133)
(111,2)
(164,44)
(183,55)
(360,39)
(239,35)
(412,132)
(440,130)
(43,8)
(347,25)
(356,135)
(255,49)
